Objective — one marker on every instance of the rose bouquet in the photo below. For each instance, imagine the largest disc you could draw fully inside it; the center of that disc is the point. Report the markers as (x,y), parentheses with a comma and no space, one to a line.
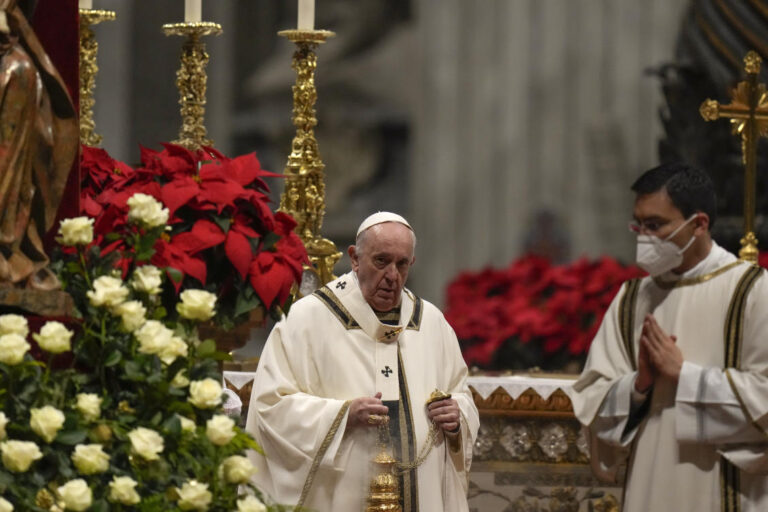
(533,313)
(222,236)
(126,414)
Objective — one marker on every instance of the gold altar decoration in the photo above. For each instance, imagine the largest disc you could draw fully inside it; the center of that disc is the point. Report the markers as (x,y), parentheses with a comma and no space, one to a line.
(89,50)
(304,194)
(748,113)
(191,80)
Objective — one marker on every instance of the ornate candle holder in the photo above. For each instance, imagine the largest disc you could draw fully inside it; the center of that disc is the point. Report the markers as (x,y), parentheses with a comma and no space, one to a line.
(304,194)
(191,80)
(89,50)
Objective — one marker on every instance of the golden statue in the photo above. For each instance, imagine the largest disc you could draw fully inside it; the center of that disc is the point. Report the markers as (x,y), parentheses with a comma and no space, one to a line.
(38,143)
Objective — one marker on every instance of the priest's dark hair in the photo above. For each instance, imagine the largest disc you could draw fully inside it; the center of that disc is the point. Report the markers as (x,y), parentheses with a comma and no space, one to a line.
(690,189)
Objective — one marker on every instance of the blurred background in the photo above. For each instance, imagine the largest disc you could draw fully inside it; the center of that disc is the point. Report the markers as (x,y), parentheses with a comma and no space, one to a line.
(498,128)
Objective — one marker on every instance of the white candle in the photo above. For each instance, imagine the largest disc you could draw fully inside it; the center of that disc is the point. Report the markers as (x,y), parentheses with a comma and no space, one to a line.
(85,4)
(306,15)
(193,11)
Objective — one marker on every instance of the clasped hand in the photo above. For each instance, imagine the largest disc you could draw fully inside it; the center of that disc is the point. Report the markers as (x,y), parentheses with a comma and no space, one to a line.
(659,355)
(445,414)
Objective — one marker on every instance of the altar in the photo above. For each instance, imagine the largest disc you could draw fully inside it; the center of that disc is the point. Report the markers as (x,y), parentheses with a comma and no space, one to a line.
(530,454)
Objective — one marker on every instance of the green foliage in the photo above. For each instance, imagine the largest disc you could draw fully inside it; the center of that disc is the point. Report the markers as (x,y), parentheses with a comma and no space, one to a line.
(136,388)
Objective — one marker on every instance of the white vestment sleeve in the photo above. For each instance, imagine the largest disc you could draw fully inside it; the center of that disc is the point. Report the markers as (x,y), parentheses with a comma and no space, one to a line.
(288,421)
(729,408)
(602,396)
(470,419)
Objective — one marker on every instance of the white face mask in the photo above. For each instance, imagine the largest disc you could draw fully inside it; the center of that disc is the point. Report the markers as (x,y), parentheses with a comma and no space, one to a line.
(657,256)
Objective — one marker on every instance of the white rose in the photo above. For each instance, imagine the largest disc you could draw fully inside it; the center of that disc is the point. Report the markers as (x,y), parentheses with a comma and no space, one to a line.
(176,347)
(14,324)
(76,231)
(132,313)
(19,455)
(237,469)
(180,380)
(196,305)
(46,422)
(108,291)
(147,279)
(3,423)
(187,424)
(76,495)
(146,443)
(194,495)
(90,459)
(205,394)
(153,337)
(89,405)
(122,489)
(54,337)
(12,348)
(5,506)
(251,504)
(146,210)
(220,429)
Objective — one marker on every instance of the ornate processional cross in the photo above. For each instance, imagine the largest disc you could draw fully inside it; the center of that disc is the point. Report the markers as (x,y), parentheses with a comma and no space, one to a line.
(748,112)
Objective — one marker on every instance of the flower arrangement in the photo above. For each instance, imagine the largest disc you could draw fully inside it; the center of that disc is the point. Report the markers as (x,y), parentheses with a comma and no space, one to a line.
(222,236)
(533,313)
(126,412)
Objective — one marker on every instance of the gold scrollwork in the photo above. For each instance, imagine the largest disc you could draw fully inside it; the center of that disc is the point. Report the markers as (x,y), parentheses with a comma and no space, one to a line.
(192,80)
(304,194)
(89,50)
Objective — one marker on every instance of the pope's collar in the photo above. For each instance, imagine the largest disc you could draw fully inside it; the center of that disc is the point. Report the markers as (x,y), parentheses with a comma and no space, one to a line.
(347,289)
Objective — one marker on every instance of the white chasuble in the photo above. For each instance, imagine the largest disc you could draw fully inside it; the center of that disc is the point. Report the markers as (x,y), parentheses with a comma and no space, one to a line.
(701,444)
(331,349)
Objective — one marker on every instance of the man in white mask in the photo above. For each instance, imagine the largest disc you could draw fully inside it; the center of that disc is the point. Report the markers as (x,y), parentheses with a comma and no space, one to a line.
(676,382)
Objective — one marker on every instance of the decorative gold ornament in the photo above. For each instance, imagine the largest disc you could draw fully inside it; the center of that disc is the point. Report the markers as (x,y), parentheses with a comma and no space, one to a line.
(191,80)
(384,492)
(304,194)
(748,113)
(89,50)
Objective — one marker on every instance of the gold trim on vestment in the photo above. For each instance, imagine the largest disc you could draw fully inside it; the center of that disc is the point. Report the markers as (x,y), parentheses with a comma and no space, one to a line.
(321,453)
(688,281)
(333,303)
(627,306)
(742,404)
(404,445)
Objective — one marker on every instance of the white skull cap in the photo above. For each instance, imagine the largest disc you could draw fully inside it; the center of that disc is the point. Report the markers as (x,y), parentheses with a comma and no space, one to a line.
(380,218)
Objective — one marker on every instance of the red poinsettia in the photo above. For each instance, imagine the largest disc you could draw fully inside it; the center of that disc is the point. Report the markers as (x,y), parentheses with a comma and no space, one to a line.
(222,234)
(532,313)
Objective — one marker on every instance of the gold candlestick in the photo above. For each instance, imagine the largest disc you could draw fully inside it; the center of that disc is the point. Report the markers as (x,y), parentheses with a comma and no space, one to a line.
(304,194)
(191,80)
(89,50)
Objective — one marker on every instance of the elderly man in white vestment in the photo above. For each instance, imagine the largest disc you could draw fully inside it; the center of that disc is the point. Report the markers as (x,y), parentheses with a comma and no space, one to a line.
(361,347)
(676,382)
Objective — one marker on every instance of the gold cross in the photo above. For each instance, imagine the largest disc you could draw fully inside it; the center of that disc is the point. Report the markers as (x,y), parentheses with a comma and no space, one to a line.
(748,112)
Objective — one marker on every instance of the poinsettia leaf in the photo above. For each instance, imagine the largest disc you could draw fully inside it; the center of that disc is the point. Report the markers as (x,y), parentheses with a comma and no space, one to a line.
(71,437)
(175,275)
(238,251)
(223,221)
(246,302)
(269,240)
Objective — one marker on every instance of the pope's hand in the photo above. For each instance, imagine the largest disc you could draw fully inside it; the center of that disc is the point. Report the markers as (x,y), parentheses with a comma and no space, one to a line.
(360,409)
(445,414)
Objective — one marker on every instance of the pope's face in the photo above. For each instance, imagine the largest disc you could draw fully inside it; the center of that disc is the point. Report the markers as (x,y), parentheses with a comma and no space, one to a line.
(381,262)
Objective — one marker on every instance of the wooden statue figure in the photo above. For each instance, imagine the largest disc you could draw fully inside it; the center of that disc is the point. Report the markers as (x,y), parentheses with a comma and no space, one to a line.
(38,144)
